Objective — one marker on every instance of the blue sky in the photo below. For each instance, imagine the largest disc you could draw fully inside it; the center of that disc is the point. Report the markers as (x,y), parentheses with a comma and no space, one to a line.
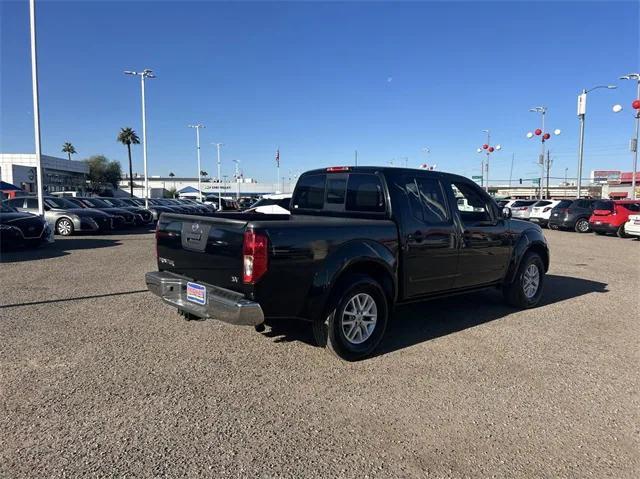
(320,80)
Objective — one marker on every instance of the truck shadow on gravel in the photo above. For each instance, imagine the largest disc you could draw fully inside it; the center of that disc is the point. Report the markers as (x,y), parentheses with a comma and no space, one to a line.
(61,247)
(419,322)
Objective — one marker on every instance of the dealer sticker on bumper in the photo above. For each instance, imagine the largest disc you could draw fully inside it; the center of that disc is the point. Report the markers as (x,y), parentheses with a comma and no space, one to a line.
(196,293)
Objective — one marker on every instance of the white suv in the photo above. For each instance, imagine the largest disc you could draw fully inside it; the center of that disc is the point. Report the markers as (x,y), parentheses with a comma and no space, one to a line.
(541,211)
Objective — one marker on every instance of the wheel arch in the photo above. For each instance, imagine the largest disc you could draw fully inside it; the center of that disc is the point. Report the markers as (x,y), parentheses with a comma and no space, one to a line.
(530,240)
(367,258)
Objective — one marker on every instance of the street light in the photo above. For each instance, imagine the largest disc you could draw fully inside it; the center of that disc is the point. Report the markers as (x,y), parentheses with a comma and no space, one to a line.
(488,149)
(544,136)
(582,111)
(237,176)
(218,145)
(144,74)
(197,128)
(36,108)
(633,145)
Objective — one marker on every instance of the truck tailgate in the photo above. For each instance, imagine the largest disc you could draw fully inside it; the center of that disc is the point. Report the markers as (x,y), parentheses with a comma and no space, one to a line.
(206,249)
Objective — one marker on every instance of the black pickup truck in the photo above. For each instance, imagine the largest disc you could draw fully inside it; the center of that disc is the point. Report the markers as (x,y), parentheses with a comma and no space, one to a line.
(358,241)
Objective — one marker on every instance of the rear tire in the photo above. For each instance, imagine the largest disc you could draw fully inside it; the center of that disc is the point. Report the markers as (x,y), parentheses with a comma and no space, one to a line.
(355,320)
(621,233)
(525,290)
(582,225)
(64,227)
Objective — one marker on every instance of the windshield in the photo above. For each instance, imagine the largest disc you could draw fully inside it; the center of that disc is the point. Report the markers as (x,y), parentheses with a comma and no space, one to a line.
(542,203)
(95,203)
(114,202)
(59,203)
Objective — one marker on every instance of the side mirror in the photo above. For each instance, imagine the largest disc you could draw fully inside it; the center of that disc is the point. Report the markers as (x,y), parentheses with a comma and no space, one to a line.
(506,212)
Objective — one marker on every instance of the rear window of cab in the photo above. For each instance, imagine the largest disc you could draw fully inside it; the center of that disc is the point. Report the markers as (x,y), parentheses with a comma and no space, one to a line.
(356,192)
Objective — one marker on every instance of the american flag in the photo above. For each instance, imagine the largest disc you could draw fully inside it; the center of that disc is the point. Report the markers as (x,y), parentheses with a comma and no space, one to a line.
(278,157)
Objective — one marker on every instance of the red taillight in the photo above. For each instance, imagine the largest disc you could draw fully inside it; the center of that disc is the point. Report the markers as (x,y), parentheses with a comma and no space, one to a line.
(255,254)
(335,169)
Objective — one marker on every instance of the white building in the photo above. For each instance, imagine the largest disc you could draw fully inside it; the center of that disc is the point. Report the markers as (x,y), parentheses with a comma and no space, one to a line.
(159,184)
(59,174)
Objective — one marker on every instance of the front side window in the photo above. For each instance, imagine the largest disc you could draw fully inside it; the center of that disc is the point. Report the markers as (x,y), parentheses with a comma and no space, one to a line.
(475,207)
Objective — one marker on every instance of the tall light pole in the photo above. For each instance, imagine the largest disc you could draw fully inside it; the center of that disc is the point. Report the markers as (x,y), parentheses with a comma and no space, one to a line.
(144,74)
(197,128)
(634,141)
(36,107)
(488,149)
(582,112)
(218,145)
(544,136)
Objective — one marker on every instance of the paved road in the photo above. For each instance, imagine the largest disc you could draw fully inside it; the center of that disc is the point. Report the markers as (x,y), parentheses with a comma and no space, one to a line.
(99,378)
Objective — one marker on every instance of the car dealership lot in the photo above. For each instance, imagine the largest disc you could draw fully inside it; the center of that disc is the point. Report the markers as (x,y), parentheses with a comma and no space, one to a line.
(98,377)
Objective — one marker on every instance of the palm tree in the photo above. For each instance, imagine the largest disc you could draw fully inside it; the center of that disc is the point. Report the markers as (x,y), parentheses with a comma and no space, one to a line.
(69,149)
(127,136)
(172,175)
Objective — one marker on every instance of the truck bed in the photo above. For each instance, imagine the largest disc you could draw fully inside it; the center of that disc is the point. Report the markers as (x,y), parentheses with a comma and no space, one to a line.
(210,250)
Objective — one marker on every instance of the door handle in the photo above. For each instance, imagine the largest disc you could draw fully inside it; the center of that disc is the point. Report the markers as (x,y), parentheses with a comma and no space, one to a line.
(417,236)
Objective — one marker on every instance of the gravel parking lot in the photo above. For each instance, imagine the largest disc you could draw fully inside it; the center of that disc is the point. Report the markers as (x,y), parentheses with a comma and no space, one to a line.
(100,378)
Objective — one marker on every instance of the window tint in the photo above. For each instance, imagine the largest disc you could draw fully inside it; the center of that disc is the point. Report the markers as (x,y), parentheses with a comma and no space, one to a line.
(364,193)
(16,202)
(542,203)
(564,204)
(603,205)
(635,207)
(32,203)
(433,202)
(521,203)
(336,189)
(310,192)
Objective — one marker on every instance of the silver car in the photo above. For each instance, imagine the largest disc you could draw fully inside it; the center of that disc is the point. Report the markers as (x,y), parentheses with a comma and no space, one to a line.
(63,216)
(521,209)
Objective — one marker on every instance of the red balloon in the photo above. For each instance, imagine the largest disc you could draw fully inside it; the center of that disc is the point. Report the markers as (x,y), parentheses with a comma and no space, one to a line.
(485,146)
(538,132)
(546,136)
(636,104)
(491,149)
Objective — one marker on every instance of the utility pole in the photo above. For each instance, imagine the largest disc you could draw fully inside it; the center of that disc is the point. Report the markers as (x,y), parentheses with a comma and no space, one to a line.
(356,157)
(513,157)
(565,181)
(197,128)
(548,170)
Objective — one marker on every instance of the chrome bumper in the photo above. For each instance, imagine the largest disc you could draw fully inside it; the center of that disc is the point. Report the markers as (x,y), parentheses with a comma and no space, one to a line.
(223,304)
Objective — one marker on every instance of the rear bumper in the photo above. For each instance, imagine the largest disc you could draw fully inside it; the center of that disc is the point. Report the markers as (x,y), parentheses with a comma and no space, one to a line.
(223,304)
(603,228)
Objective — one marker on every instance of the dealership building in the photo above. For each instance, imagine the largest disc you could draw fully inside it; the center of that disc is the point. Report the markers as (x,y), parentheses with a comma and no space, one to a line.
(59,174)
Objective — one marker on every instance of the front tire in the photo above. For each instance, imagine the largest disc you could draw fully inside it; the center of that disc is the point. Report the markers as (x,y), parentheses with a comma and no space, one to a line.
(355,320)
(64,227)
(582,225)
(525,290)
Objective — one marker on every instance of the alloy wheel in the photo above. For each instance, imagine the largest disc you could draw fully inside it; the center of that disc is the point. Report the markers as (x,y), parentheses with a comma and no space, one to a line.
(531,281)
(65,227)
(359,318)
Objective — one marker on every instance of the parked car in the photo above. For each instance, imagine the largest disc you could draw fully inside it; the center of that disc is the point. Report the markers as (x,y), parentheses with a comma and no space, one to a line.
(272,204)
(632,226)
(143,215)
(521,209)
(122,217)
(155,210)
(65,217)
(22,229)
(227,204)
(610,216)
(572,214)
(541,211)
(358,241)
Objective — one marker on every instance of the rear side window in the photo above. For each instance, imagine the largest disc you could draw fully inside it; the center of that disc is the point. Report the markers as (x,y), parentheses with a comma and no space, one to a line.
(364,193)
(310,192)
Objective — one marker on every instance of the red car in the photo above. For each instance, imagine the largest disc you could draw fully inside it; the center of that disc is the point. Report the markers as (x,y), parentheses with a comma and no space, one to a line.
(609,216)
